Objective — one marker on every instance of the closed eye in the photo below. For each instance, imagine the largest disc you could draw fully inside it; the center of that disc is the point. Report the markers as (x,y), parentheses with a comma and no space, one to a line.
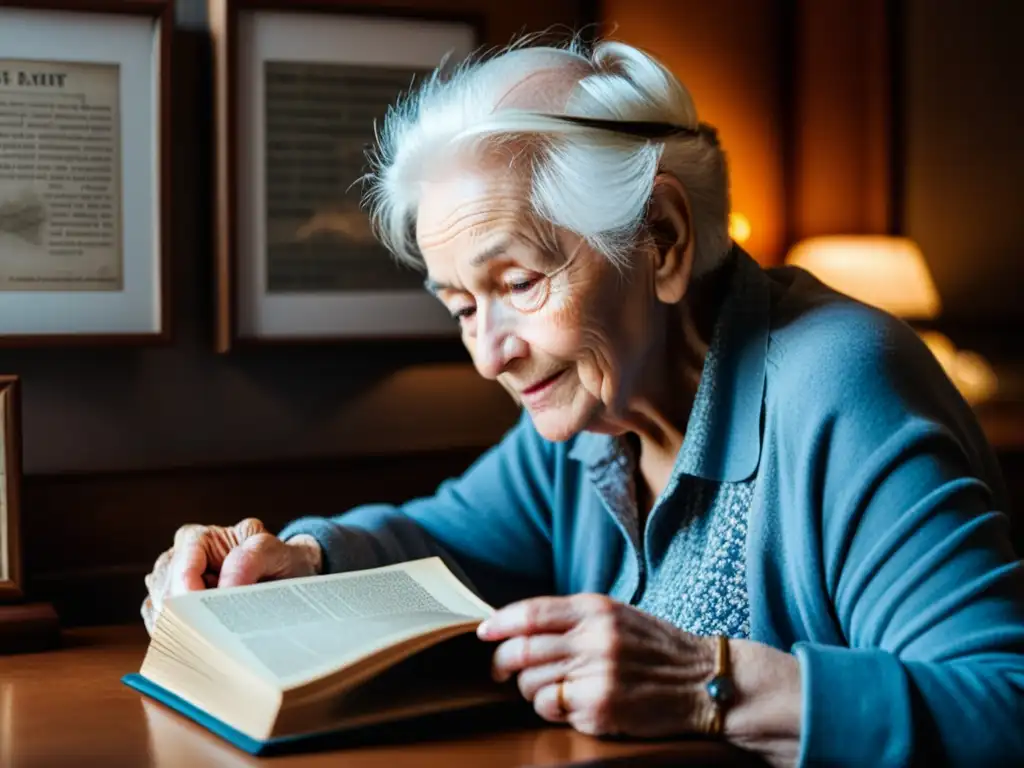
(463,313)
(521,286)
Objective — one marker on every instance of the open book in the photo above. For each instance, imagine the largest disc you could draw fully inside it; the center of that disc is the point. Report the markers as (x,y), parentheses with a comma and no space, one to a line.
(282,660)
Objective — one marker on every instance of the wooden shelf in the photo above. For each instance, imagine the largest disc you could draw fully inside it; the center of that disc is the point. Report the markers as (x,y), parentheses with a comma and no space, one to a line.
(29,627)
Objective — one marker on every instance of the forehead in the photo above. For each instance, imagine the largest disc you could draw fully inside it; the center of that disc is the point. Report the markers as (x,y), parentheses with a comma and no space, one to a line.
(470,203)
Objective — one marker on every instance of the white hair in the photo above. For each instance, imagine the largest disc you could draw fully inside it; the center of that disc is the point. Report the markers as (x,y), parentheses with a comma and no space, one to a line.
(590,181)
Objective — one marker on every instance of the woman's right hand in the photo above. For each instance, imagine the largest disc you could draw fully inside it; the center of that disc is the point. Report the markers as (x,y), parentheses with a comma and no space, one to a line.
(206,556)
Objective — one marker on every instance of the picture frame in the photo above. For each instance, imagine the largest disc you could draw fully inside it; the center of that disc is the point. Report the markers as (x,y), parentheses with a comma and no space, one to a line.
(11,573)
(85,172)
(296,260)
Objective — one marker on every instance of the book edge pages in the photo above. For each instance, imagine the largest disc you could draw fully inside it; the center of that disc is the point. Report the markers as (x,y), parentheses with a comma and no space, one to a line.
(324,682)
(154,668)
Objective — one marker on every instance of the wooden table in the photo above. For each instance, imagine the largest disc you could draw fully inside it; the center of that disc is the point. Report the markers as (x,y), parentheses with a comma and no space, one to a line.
(68,707)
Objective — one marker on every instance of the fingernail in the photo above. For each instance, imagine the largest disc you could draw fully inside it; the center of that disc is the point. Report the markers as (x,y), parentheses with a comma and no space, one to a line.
(482,629)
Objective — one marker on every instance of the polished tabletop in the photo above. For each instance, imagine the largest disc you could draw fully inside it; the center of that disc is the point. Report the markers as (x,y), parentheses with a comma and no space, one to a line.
(68,707)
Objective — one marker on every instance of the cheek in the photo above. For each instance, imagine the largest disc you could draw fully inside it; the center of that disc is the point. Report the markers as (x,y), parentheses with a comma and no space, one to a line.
(594,312)
(555,329)
(614,337)
(581,321)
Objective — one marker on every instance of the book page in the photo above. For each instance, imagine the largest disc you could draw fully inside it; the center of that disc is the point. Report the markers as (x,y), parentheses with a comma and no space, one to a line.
(299,628)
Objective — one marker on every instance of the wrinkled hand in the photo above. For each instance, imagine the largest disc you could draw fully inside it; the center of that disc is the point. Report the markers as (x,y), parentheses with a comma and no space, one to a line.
(621,671)
(206,556)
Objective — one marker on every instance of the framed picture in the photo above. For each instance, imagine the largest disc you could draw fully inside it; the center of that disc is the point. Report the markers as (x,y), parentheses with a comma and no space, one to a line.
(84,171)
(10,486)
(299,86)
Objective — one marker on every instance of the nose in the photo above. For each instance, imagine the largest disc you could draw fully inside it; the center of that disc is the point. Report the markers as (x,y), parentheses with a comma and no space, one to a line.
(497,344)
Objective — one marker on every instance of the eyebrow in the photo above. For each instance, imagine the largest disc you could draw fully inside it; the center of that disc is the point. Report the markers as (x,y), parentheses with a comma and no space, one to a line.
(489,253)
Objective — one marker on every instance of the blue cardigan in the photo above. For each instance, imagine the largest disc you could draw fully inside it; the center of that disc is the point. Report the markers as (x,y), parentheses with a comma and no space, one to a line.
(878,548)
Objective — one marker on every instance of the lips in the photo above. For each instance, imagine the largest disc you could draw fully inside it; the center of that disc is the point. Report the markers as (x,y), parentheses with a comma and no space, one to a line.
(534,388)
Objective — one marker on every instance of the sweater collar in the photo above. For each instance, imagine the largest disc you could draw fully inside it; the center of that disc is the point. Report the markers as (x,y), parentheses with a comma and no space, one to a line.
(723,433)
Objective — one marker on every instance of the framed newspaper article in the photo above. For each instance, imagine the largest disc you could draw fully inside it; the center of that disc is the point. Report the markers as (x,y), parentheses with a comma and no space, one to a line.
(299,88)
(10,485)
(84,171)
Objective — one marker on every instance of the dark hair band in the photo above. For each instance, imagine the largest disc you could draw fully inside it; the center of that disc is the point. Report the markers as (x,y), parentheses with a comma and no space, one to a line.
(644,128)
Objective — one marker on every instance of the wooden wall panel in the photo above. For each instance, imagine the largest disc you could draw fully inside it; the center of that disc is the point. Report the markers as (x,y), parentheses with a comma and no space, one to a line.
(962,115)
(840,170)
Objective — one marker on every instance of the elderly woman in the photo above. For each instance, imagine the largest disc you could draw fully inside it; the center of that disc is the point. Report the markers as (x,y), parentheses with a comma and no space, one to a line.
(736,503)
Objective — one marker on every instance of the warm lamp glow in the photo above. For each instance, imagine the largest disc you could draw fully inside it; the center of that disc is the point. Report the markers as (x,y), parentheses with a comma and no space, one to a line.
(890,273)
(970,372)
(887,272)
(739,227)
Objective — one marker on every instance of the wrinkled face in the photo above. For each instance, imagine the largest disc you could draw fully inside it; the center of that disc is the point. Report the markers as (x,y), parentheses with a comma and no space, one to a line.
(554,322)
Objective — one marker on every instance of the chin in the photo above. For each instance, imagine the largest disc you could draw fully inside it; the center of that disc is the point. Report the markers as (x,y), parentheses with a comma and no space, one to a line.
(557,425)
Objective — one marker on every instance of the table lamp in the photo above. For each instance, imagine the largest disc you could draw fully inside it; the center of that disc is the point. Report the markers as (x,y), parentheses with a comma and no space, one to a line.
(890,273)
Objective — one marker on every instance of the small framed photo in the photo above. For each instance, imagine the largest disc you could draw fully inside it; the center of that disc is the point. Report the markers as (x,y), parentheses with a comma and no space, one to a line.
(84,171)
(299,87)
(10,487)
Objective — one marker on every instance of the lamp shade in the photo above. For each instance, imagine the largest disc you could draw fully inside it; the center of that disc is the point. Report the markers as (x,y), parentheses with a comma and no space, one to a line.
(887,272)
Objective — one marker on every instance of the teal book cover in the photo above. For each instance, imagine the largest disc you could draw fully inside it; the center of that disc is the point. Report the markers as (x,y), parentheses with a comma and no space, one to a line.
(439,725)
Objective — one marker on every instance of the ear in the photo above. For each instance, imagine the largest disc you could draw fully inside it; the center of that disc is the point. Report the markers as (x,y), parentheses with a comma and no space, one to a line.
(669,222)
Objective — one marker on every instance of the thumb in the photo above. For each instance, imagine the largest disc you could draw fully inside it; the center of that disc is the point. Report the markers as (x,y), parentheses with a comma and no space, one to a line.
(257,557)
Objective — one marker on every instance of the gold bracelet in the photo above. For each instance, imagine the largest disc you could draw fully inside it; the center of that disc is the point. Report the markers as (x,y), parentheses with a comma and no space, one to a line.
(721,689)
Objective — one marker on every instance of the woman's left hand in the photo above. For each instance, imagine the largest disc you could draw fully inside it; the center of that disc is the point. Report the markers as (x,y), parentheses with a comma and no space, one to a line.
(603,666)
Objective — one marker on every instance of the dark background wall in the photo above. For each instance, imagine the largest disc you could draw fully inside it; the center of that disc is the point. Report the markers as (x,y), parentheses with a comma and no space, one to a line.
(963,191)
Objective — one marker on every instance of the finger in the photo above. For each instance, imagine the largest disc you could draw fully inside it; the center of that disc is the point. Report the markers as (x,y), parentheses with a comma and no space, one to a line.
(541,614)
(220,542)
(160,566)
(156,580)
(148,618)
(151,595)
(524,651)
(188,533)
(546,703)
(257,557)
(251,526)
(531,681)
(188,564)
